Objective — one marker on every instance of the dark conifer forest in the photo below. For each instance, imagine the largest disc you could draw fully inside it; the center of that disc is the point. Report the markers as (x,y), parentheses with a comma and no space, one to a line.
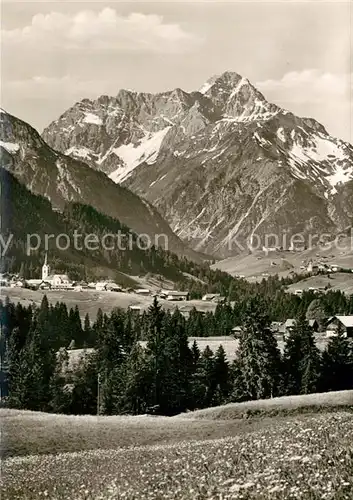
(165,374)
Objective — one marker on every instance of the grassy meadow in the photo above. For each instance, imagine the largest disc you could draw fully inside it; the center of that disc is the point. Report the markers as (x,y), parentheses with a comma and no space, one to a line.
(294,448)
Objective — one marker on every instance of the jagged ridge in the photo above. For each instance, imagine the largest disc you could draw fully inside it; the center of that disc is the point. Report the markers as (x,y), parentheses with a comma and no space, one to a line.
(218,163)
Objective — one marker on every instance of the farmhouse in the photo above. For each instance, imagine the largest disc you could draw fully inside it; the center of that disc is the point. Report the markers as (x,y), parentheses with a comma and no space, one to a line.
(237,331)
(211,296)
(289,324)
(143,291)
(343,322)
(59,281)
(186,311)
(312,267)
(173,295)
(314,325)
(135,309)
(276,326)
(113,287)
(103,286)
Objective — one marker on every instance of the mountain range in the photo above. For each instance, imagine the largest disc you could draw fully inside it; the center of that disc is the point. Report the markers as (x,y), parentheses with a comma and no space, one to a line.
(222,165)
(62,179)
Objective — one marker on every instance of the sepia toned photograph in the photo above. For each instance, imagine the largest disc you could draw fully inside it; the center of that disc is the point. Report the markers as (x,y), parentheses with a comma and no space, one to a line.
(176,250)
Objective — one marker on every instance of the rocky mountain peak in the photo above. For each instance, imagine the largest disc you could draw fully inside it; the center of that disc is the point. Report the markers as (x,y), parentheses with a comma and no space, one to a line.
(216,162)
(236,98)
(221,83)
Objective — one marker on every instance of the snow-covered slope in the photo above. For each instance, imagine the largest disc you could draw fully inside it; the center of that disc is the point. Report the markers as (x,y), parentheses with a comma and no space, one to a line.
(220,163)
(61,179)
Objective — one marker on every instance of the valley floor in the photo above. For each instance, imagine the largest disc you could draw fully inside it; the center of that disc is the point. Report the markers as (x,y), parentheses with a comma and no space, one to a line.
(305,451)
(89,301)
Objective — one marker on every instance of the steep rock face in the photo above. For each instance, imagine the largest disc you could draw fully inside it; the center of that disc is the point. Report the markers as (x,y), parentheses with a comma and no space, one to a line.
(223,166)
(115,134)
(61,178)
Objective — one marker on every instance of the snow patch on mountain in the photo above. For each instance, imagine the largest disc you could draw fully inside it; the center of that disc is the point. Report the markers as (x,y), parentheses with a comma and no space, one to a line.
(205,87)
(235,91)
(341,175)
(11,147)
(132,155)
(323,159)
(84,153)
(318,149)
(92,118)
(280,134)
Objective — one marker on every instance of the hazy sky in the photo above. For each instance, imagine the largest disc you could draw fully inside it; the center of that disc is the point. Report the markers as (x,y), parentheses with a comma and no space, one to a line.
(299,54)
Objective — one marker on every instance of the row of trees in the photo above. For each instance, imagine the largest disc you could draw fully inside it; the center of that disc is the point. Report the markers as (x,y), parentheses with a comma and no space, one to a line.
(166,374)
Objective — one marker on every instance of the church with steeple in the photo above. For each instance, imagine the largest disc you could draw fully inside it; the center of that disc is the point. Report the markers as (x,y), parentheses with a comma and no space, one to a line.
(45,268)
(54,280)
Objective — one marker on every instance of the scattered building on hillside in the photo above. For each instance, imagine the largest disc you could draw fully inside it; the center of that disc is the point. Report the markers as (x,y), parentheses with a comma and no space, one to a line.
(107,286)
(143,291)
(174,295)
(276,326)
(135,309)
(59,281)
(113,287)
(100,286)
(237,331)
(18,283)
(211,296)
(314,325)
(289,325)
(186,310)
(34,284)
(312,267)
(345,323)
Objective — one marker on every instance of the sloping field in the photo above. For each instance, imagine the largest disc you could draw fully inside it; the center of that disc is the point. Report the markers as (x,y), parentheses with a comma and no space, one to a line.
(255,264)
(89,301)
(27,432)
(277,406)
(336,281)
(302,457)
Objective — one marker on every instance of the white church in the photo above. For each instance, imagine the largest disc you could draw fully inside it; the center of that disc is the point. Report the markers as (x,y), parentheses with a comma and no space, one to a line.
(54,280)
(51,280)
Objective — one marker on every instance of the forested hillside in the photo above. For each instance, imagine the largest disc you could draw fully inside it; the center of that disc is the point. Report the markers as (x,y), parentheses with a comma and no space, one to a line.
(24,213)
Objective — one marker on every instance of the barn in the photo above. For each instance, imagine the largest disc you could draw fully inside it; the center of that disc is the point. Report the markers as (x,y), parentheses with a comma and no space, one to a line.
(343,322)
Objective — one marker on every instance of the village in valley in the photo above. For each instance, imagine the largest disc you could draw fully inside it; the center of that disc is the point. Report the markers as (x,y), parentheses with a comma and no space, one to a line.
(139,299)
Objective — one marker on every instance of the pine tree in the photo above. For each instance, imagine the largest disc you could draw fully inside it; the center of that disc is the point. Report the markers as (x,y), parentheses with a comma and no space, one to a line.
(203,385)
(60,401)
(221,375)
(85,386)
(337,364)
(38,361)
(316,311)
(258,355)
(301,359)
(110,356)
(195,353)
(137,384)
(75,327)
(178,358)
(156,338)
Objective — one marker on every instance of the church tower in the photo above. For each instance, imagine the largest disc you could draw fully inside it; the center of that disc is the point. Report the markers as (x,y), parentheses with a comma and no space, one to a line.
(45,268)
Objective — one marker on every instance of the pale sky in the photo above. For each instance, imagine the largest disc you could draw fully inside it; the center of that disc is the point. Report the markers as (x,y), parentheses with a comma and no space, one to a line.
(299,54)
